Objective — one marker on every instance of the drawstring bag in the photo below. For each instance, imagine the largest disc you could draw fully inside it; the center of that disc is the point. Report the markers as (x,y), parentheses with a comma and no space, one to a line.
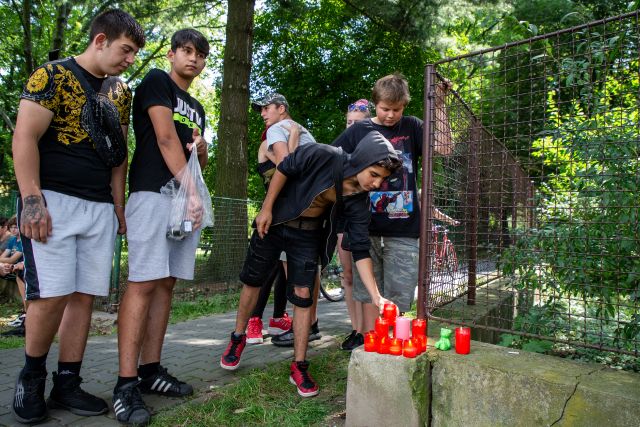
(190,200)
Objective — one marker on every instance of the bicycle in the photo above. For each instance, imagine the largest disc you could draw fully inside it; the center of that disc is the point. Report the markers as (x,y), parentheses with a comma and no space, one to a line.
(331,285)
(444,255)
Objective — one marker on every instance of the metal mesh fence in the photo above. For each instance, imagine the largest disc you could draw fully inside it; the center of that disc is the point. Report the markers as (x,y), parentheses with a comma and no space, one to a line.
(543,172)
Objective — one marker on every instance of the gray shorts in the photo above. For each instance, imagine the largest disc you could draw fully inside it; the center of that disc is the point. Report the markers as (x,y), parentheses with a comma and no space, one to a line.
(151,255)
(395,266)
(79,253)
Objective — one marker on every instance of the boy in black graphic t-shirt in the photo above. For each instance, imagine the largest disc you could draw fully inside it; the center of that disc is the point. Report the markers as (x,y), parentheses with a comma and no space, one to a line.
(395,207)
(167,122)
(71,205)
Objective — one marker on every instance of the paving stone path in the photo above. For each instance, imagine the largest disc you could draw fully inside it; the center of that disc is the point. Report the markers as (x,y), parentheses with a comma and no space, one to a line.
(191,352)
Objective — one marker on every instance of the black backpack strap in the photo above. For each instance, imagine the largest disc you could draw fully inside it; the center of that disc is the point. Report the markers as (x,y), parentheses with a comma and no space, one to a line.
(72,65)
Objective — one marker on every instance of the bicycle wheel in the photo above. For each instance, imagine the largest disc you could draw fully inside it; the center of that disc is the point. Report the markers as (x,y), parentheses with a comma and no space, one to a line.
(331,293)
(450,259)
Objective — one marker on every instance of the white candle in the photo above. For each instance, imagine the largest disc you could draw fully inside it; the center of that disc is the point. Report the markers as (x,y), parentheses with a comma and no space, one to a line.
(403,328)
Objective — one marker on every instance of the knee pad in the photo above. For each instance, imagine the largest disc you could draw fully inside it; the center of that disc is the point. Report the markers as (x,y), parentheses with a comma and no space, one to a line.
(298,301)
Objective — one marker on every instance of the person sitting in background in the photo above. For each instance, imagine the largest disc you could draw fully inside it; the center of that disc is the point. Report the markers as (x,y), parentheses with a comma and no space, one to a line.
(4,233)
(11,262)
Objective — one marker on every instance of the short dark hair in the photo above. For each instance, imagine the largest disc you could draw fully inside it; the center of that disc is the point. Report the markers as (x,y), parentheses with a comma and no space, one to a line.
(11,221)
(115,23)
(391,164)
(188,35)
(3,221)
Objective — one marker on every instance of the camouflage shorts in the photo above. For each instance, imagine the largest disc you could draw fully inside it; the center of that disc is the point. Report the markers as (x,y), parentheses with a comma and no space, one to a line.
(395,265)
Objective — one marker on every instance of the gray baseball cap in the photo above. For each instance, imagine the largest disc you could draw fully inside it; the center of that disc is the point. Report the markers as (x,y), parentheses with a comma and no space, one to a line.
(272,98)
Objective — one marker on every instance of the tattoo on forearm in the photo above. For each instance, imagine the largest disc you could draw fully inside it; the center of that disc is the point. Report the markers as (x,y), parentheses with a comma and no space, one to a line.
(34,209)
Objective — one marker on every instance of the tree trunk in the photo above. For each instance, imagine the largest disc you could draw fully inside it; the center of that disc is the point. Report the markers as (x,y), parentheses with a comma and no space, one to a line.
(27,42)
(62,17)
(230,230)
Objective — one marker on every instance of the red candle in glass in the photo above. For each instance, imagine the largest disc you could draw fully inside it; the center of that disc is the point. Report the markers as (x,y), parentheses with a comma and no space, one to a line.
(417,343)
(463,340)
(383,344)
(382,327)
(370,342)
(395,348)
(390,312)
(410,349)
(423,343)
(419,327)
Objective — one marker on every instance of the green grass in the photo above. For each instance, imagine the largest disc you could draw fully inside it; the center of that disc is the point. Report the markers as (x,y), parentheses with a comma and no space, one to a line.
(8,311)
(219,303)
(264,396)
(180,311)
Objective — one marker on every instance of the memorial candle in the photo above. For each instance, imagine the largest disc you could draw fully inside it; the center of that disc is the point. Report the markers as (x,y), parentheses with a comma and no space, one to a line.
(417,343)
(370,342)
(402,328)
(395,348)
(383,344)
(382,327)
(390,312)
(410,350)
(419,327)
(463,340)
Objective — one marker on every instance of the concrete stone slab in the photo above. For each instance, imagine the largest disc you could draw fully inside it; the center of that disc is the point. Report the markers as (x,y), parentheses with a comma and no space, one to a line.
(384,390)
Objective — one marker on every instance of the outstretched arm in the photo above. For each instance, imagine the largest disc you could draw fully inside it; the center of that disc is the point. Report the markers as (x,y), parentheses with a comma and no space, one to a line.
(440,216)
(443,139)
(264,218)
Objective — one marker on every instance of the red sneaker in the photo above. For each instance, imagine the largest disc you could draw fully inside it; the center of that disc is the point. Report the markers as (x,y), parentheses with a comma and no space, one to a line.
(300,377)
(279,325)
(230,359)
(254,331)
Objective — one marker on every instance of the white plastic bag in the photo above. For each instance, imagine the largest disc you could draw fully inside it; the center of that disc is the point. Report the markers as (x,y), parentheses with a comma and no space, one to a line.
(191,203)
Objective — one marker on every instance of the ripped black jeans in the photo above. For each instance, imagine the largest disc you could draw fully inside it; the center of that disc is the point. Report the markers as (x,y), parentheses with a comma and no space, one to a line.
(301,247)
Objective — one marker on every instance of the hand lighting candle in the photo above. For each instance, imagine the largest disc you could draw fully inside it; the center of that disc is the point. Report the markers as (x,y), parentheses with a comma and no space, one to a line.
(410,350)
(382,327)
(370,342)
(463,340)
(390,312)
(402,328)
(396,347)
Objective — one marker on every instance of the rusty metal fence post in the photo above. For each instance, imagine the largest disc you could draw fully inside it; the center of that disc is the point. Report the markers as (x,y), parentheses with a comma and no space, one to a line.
(426,201)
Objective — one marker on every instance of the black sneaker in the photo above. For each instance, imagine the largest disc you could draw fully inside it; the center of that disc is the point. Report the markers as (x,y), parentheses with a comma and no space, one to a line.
(314,333)
(355,342)
(283,340)
(68,395)
(346,344)
(29,405)
(18,331)
(164,384)
(286,339)
(129,406)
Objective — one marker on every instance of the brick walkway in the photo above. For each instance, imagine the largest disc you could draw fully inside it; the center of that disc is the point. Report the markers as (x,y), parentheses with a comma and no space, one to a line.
(191,352)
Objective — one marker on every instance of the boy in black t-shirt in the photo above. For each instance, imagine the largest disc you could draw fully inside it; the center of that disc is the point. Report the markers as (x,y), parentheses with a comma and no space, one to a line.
(68,238)
(395,207)
(167,122)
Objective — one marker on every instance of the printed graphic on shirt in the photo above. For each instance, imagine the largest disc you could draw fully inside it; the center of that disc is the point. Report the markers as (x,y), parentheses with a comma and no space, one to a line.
(187,115)
(396,204)
(56,88)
